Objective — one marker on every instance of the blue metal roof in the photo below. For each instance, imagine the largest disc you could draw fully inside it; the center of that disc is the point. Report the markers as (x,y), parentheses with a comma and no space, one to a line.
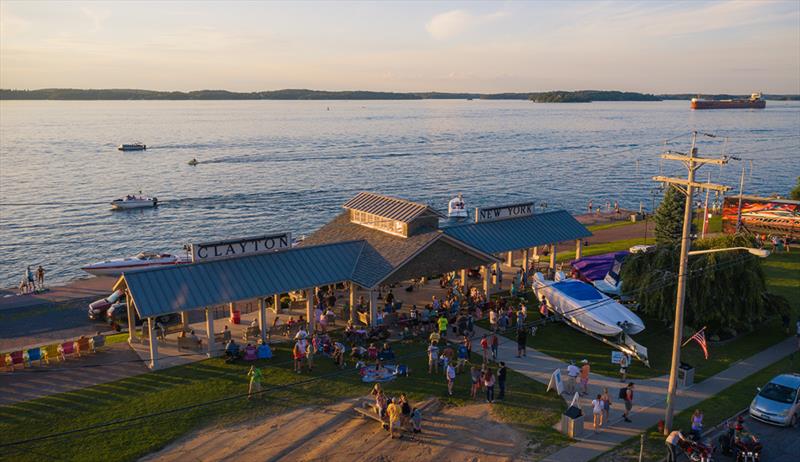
(519,233)
(198,285)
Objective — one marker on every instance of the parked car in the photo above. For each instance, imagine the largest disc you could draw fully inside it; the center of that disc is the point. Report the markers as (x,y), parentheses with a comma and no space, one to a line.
(778,402)
(98,308)
(118,314)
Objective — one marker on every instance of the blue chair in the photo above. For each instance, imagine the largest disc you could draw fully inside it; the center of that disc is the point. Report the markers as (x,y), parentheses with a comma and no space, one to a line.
(264,352)
(34,354)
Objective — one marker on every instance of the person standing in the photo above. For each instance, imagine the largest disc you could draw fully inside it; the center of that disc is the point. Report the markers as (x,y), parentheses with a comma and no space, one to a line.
(623,367)
(462,353)
(522,339)
(572,374)
(597,412)
(442,326)
(29,278)
(606,405)
(697,424)
(493,319)
(488,382)
(501,380)
(475,375)
(672,442)
(255,381)
(393,413)
(495,345)
(40,277)
(450,373)
(485,348)
(433,358)
(585,369)
(628,398)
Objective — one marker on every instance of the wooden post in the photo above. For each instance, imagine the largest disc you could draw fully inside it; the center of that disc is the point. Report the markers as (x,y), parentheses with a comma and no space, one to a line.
(210,331)
(552,257)
(487,277)
(151,325)
(464,279)
(510,261)
(262,318)
(232,308)
(525,254)
(353,317)
(310,309)
(373,308)
(185,319)
(131,318)
(578,248)
(276,303)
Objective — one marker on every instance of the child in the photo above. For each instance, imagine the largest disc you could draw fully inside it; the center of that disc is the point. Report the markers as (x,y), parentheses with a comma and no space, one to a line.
(475,374)
(416,420)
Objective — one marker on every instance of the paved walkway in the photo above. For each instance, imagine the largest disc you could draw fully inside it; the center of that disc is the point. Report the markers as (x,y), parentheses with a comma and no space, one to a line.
(649,395)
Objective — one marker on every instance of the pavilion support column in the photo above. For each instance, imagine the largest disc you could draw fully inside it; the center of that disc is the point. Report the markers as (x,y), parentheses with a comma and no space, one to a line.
(353,302)
(578,248)
(525,258)
(151,326)
(185,319)
(310,309)
(262,318)
(373,308)
(231,308)
(210,331)
(131,319)
(510,257)
(498,282)
(464,278)
(552,256)
(276,303)
(487,278)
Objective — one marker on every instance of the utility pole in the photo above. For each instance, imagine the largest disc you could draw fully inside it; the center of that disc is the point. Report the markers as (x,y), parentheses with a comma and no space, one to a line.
(692,163)
(705,211)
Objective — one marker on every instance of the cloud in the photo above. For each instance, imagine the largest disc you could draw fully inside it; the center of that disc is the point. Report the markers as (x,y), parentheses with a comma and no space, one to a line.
(452,23)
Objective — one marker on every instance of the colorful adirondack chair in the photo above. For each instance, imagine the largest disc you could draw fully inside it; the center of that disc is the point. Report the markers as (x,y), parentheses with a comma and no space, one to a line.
(66,349)
(98,341)
(82,346)
(34,354)
(16,358)
(51,352)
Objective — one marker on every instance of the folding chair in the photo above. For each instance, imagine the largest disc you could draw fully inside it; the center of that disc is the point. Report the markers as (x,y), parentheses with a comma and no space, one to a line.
(34,354)
(66,349)
(51,352)
(98,341)
(16,358)
(82,346)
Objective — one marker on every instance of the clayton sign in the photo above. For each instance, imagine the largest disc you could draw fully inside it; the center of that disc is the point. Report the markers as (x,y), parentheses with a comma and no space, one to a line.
(239,247)
(503,212)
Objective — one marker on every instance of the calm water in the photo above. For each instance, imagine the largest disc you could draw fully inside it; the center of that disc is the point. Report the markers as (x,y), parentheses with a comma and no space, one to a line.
(274,165)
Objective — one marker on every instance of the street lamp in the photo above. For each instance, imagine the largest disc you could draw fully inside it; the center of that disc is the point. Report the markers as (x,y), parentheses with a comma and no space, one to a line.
(762,253)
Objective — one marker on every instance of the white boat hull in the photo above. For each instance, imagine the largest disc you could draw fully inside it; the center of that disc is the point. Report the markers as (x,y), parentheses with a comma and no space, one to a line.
(130,265)
(585,306)
(134,204)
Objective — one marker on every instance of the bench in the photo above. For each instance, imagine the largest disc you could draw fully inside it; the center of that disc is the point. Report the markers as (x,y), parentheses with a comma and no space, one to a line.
(252,333)
(190,343)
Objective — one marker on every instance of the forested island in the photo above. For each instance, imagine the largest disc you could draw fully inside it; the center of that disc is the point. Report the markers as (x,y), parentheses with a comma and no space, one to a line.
(580,96)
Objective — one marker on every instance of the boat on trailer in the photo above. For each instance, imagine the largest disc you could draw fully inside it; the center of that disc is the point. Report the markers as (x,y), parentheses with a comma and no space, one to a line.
(141,261)
(585,308)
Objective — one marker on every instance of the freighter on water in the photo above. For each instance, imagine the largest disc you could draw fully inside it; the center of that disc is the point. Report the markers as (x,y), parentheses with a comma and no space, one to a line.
(755,102)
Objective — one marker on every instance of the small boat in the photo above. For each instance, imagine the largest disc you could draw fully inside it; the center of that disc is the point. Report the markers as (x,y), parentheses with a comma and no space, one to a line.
(456,208)
(586,307)
(132,201)
(143,260)
(132,147)
(193,162)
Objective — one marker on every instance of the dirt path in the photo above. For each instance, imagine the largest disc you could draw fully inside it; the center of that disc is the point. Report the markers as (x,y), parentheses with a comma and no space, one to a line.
(467,433)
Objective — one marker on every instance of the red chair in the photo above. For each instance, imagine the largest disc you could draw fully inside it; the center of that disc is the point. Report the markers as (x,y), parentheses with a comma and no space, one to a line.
(16,358)
(66,349)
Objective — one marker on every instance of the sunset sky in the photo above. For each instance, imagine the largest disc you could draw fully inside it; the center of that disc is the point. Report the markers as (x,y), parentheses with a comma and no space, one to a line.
(709,47)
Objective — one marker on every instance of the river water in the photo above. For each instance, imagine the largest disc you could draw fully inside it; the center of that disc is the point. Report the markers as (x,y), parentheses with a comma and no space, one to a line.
(289,165)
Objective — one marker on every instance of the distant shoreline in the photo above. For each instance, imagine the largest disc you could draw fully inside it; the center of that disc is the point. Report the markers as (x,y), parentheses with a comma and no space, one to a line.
(582,96)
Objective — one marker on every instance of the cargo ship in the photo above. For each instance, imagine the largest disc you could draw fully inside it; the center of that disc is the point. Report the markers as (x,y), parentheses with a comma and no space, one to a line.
(755,102)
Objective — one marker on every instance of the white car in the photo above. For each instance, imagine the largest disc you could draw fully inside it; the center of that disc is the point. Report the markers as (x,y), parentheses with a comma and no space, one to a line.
(778,402)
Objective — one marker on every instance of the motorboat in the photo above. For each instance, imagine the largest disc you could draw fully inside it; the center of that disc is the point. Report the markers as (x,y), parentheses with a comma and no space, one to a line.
(132,147)
(141,261)
(585,306)
(193,162)
(133,201)
(456,208)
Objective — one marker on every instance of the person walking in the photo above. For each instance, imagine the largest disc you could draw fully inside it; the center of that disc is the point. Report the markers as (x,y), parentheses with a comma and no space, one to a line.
(450,373)
(597,412)
(475,375)
(393,412)
(255,381)
(433,358)
(442,326)
(40,277)
(627,395)
(495,345)
(673,449)
(488,382)
(485,347)
(522,339)
(606,405)
(585,377)
(572,377)
(502,371)
(623,367)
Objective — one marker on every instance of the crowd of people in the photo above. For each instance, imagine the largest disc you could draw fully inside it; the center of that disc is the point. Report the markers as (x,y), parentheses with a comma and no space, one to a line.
(32,282)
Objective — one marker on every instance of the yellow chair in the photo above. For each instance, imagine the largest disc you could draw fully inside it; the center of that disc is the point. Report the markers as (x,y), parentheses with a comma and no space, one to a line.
(51,352)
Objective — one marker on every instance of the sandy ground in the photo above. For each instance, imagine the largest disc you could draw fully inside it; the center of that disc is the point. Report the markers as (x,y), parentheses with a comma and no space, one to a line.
(336,433)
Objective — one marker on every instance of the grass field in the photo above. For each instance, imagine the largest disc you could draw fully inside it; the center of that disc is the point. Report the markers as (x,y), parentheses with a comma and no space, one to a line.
(563,342)
(213,380)
(599,249)
(715,409)
(615,224)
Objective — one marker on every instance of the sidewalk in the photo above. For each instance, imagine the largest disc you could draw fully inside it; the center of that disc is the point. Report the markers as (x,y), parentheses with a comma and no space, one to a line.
(649,395)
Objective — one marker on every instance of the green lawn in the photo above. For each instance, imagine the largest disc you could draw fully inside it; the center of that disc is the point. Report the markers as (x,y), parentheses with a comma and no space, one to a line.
(715,409)
(614,224)
(561,341)
(529,406)
(598,249)
(714,223)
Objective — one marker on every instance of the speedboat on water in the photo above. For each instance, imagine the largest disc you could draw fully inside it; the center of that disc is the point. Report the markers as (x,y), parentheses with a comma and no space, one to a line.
(141,261)
(586,307)
(132,147)
(132,201)
(456,208)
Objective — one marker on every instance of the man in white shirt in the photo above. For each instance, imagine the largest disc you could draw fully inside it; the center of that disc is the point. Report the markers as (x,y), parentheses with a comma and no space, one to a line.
(572,374)
(433,358)
(451,377)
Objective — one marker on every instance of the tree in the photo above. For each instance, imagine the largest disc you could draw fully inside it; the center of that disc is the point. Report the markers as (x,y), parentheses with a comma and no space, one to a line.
(795,193)
(724,290)
(669,217)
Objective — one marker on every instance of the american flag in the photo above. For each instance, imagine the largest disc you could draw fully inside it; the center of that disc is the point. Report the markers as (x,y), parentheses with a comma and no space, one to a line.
(700,338)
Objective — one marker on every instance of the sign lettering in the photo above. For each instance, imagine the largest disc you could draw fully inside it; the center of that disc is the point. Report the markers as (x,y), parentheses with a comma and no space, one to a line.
(239,247)
(503,212)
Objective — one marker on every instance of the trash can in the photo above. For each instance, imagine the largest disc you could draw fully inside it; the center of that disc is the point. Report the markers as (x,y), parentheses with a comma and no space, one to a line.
(236,317)
(572,422)
(634,216)
(685,375)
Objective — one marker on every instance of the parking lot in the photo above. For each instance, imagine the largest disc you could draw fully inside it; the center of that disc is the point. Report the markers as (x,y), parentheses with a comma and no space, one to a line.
(781,444)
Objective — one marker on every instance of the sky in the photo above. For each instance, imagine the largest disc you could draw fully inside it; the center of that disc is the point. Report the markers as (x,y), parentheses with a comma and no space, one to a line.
(647,46)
